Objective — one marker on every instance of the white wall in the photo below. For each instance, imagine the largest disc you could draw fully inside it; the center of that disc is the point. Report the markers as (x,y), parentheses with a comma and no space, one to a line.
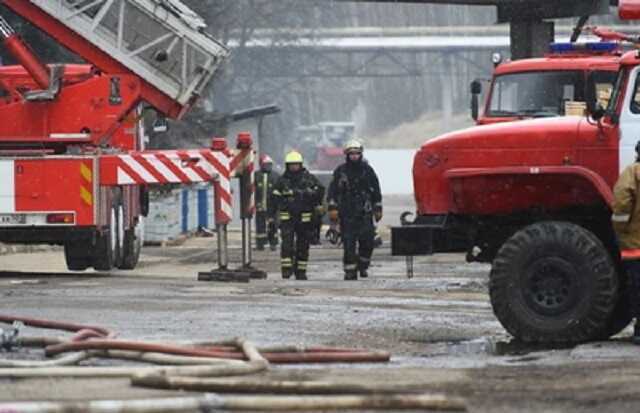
(393,167)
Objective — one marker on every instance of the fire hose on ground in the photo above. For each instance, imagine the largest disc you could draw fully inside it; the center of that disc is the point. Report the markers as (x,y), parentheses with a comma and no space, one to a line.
(205,367)
(208,402)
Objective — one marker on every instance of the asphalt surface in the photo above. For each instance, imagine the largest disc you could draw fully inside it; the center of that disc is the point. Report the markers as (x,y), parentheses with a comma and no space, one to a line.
(438,326)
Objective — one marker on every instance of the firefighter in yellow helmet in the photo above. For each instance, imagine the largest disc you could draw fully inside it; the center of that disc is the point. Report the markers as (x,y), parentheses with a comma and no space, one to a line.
(296,195)
(355,199)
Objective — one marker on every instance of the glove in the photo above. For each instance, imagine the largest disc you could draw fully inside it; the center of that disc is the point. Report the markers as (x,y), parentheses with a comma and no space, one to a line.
(333,215)
(320,210)
(377,215)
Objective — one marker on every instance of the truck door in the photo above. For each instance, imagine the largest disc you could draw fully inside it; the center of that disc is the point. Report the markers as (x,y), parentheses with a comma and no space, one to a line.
(630,120)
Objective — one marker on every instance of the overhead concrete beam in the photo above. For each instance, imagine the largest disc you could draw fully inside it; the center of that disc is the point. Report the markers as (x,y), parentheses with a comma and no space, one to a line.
(530,35)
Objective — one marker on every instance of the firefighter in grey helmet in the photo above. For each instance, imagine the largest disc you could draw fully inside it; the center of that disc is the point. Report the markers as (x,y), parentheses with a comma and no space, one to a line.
(354,198)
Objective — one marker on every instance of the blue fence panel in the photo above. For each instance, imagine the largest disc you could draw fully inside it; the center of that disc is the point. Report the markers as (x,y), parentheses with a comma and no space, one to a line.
(203,207)
(185,210)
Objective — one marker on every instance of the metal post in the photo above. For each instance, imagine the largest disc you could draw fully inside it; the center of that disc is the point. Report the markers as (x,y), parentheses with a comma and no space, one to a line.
(223,246)
(246,242)
(409,259)
(222,273)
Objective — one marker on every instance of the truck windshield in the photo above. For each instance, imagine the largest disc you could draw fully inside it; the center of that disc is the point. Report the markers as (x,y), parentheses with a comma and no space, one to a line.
(548,93)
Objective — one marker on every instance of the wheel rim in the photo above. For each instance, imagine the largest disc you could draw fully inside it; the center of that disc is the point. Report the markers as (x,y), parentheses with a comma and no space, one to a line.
(551,286)
(114,230)
(121,227)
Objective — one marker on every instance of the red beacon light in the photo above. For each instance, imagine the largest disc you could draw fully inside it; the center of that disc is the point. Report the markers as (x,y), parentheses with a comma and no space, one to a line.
(244,140)
(218,143)
(629,9)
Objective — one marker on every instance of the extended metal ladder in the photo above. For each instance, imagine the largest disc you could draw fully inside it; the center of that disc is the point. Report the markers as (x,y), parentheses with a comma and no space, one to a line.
(162,41)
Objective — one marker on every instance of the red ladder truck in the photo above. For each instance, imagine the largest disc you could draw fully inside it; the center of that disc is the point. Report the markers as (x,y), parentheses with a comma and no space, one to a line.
(72,162)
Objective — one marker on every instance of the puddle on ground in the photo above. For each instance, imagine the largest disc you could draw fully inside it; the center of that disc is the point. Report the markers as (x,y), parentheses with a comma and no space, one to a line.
(489,346)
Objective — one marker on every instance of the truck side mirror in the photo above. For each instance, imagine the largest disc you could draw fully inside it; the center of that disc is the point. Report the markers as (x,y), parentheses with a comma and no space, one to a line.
(597,112)
(476,89)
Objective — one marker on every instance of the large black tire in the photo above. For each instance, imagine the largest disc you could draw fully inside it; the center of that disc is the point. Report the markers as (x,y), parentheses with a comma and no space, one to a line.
(78,255)
(554,282)
(103,251)
(131,249)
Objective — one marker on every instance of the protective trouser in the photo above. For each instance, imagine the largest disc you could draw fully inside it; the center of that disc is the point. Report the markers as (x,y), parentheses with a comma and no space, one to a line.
(295,230)
(357,242)
(316,229)
(632,269)
(265,231)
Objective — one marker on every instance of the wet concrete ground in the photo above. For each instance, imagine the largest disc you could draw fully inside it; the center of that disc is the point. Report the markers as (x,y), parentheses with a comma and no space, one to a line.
(439,326)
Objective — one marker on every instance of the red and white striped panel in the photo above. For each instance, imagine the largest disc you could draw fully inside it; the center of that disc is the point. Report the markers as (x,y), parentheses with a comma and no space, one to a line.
(167,167)
(242,163)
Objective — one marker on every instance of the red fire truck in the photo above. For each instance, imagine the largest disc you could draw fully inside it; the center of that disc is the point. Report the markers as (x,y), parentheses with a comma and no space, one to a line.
(533,198)
(72,159)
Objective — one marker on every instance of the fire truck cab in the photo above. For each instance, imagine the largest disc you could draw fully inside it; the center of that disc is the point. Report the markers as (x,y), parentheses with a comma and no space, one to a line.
(557,84)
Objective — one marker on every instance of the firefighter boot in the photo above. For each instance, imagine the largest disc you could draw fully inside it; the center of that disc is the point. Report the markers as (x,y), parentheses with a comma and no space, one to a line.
(286,273)
(363,273)
(350,275)
(301,275)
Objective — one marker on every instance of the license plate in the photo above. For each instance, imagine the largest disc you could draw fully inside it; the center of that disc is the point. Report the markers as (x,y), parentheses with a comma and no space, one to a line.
(13,219)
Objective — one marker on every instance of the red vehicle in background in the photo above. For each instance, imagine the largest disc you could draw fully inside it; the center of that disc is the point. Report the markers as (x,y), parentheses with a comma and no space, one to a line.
(322,144)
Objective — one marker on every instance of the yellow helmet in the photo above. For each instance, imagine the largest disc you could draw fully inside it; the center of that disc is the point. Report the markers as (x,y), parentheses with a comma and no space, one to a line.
(293,157)
(353,145)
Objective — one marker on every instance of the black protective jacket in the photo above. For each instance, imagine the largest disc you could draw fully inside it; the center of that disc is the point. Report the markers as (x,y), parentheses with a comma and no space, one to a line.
(296,192)
(265,183)
(354,190)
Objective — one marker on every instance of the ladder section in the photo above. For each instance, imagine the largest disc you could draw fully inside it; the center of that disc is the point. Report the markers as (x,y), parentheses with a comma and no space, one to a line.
(162,41)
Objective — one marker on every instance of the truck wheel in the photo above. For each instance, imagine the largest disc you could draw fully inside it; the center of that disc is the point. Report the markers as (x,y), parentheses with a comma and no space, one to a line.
(78,256)
(132,247)
(553,282)
(107,248)
(118,226)
(103,251)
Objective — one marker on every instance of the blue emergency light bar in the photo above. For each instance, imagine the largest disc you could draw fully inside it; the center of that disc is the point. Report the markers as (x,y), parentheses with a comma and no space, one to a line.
(594,47)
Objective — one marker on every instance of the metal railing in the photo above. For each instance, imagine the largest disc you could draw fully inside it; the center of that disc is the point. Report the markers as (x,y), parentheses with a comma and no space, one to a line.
(161,41)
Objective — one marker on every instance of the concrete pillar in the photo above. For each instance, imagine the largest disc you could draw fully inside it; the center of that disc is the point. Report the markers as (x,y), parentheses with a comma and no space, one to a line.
(530,38)
(447,101)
